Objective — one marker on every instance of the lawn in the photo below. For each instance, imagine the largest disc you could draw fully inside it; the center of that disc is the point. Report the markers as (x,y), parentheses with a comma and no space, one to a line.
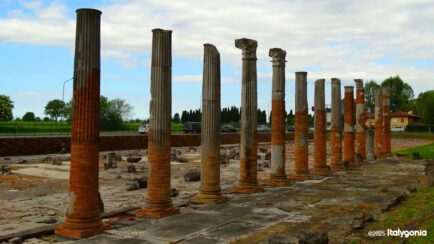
(426,151)
(414,213)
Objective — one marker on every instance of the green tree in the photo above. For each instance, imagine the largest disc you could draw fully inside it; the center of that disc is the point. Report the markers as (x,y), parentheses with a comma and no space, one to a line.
(29,116)
(424,106)
(400,93)
(370,94)
(55,109)
(6,106)
(176,118)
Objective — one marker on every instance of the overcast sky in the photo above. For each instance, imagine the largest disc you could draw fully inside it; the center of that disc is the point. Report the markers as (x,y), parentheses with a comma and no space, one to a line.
(337,38)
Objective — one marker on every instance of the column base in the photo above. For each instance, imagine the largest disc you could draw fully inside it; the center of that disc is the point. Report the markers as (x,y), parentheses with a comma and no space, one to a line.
(301,176)
(202,198)
(80,233)
(323,171)
(337,167)
(156,212)
(247,189)
(278,181)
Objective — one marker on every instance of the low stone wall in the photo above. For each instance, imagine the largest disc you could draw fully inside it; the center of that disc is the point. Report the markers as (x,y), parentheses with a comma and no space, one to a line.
(15,146)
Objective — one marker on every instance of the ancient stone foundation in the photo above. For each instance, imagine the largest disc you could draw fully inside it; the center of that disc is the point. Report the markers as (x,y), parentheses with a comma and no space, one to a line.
(210,191)
(83,213)
(248,182)
(278,175)
(336,127)
(160,122)
(301,166)
(320,137)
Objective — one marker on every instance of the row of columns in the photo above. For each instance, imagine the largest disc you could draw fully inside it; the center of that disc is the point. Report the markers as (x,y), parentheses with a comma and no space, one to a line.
(83,212)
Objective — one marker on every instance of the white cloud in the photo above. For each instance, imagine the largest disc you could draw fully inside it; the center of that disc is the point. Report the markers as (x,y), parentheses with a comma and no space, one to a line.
(336,38)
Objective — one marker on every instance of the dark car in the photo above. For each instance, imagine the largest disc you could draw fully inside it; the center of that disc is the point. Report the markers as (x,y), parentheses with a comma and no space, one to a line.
(192,127)
(291,129)
(228,129)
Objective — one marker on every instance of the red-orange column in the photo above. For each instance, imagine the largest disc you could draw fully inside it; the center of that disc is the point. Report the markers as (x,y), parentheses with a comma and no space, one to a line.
(349,154)
(248,182)
(360,121)
(320,136)
(160,123)
(387,150)
(301,137)
(83,212)
(336,127)
(378,133)
(277,174)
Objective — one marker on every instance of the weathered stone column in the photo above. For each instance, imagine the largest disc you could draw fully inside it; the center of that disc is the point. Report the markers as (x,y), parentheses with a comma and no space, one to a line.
(160,110)
(369,142)
(301,137)
(320,137)
(83,213)
(210,191)
(378,133)
(248,182)
(349,154)
(360,122)
(387,150)
(278,175)
(336,127)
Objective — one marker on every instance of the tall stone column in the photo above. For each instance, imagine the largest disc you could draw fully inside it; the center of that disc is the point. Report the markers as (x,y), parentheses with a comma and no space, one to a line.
(320,137)
(349,154)
(387,150)
(160,110)
(378,133)
(248,182)
(278,175)
(83,213)
(336,127)
(210,191)
(360,121)
(369,138)
(301,137)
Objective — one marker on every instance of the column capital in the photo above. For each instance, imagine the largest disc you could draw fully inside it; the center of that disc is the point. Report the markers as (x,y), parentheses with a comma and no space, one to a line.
(359,83)
(278,56)
(248,46)
(349,88)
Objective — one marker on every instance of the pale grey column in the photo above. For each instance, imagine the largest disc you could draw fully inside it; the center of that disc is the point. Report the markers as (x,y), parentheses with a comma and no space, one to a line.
(336,126)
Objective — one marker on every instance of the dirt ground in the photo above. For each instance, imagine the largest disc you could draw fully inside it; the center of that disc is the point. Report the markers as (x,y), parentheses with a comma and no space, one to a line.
(35,194)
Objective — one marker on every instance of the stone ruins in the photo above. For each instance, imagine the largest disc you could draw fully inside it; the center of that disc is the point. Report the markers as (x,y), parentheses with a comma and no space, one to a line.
(83,210)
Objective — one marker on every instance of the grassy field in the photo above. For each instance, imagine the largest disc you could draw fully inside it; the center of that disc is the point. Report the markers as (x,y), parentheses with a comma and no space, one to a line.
(414,213)
(426,151)
(55,128)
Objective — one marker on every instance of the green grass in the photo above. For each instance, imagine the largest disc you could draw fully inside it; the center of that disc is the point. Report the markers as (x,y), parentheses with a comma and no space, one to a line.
(52,127)
(413,135)
(426,151)
(416,212)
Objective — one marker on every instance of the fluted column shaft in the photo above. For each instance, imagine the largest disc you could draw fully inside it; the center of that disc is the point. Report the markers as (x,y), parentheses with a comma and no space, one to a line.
(320,136)
(336,127)
(349,154)
(210,191)
(248,182)
(360,120)
(160,110)
(301,137)
(378,133)
(83,213)
(387,150)
(278,175)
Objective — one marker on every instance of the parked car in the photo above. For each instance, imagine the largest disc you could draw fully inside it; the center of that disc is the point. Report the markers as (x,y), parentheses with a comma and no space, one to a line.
(228,129)
(397,129)
(291,128)
(192,127)
(263,128)
(328,128)
(144,129)
(311,129)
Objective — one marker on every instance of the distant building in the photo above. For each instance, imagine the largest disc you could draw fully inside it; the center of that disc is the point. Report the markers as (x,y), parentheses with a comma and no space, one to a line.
(398,118)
